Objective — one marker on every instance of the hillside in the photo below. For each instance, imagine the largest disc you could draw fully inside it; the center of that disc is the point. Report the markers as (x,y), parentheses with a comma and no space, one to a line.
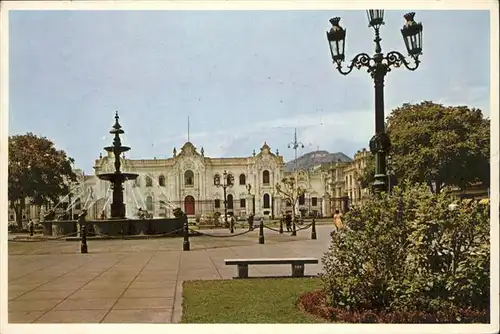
(315,158)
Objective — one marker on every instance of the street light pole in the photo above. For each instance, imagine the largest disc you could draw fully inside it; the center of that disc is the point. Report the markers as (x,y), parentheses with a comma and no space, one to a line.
(228,181)
(295,144)
(378,66)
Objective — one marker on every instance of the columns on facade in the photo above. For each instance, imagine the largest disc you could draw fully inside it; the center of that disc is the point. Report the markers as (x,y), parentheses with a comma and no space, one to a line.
(326,205)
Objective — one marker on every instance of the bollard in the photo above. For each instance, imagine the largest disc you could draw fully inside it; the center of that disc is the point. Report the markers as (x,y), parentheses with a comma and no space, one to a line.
(231,225)
(186,245)
(83,231)
(281,226)
(31,229)
(313,229)
(294,230)
(261,232)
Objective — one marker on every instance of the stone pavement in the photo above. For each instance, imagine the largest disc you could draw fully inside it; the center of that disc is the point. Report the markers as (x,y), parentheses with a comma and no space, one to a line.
(135,281)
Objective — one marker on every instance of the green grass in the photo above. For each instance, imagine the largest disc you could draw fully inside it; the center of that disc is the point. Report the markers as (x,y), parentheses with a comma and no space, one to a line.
(260,300)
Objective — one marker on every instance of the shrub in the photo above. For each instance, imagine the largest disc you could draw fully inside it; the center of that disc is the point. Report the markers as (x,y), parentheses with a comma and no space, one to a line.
(178,213)
(408,252)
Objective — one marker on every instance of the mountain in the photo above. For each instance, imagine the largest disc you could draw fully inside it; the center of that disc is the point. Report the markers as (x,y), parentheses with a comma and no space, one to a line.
(315,158)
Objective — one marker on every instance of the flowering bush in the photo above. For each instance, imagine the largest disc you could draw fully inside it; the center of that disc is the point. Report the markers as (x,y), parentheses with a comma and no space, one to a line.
(408,252)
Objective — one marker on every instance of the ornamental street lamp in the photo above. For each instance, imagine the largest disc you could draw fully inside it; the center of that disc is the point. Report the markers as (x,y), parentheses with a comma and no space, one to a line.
(295,144)
(228,181)
(378,65)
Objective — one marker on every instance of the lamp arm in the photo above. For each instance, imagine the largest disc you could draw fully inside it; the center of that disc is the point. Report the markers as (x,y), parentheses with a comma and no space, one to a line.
(360,60)
(396,59)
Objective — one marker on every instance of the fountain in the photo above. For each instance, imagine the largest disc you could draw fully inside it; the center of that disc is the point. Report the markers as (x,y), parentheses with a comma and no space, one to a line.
(118,223)
(117,178)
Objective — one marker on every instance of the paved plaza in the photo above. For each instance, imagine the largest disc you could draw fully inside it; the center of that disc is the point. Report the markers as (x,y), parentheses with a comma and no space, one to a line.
(136,281)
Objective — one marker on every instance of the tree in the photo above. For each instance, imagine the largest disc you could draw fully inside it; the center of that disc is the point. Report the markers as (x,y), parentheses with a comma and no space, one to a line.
(290,191)
(437,145)
(38,172)
(440,145)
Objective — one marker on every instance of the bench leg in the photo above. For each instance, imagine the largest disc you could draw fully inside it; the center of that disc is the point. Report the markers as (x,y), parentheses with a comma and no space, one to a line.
(297,270)
(243,271)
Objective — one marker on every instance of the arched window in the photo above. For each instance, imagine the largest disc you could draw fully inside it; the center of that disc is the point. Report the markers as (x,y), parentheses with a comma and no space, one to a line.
(302,199)
(229,201)
(161,181)
(217,203)
(149,204)
(243,179)
(266,201)
(265,177)
(216,179)
(243,203)
(149,181)
(189,178)
(230,179)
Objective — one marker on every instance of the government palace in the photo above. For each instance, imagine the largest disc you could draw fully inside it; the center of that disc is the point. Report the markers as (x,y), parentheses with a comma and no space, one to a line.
(187,180)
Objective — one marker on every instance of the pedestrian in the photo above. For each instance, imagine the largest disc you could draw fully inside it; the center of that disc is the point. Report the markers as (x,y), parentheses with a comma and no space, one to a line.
(250,221)
(337,220)
(31,227)
(288,222)
(231,222)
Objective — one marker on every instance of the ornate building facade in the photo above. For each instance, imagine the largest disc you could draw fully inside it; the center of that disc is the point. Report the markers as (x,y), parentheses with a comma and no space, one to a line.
(186,180)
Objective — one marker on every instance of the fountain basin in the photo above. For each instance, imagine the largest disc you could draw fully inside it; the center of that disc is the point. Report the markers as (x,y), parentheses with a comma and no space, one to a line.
(117,176)
(118,227)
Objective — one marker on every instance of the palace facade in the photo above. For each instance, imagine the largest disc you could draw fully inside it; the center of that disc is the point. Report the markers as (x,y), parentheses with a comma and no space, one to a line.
(187,180)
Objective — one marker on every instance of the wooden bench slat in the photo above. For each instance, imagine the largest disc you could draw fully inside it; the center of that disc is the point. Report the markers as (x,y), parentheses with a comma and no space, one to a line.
(271,261)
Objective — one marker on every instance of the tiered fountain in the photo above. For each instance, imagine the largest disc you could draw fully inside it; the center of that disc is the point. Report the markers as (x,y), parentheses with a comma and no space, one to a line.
(117,223)
(117,178)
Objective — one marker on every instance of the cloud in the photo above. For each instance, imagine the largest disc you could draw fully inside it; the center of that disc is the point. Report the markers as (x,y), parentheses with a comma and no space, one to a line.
(321,131)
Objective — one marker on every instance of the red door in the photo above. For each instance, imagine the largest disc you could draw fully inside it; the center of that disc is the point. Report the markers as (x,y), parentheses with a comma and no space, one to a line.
(189,205)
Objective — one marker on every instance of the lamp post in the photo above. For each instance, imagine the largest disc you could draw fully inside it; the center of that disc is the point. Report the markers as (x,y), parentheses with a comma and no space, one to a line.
(295,145)
(227,182)
(378,65)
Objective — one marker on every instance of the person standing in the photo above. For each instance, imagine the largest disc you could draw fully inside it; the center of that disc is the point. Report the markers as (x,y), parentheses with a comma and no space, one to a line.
(337,220)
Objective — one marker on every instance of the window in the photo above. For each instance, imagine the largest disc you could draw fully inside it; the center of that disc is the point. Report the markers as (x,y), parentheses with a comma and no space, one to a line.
(189,178)
(229,201)
(288,202)
(242,203)
(243,180)
(78,204)
(149,181)
(216,179)
(314,201)
(161,181)
(230,179)
(265,177)
(302,199)
(217,203)
(266,201)
(149,204)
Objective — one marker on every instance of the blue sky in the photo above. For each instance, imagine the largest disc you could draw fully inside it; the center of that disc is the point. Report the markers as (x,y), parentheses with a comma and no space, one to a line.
(243,77)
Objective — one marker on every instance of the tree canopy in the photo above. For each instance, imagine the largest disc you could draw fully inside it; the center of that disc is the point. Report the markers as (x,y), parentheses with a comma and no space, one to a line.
(437,145)
(37,171)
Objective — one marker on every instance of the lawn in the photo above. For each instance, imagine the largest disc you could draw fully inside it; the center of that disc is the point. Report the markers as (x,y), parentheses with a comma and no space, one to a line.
(259,300)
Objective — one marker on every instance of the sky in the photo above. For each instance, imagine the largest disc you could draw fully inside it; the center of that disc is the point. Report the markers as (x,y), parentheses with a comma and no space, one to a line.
(242,77)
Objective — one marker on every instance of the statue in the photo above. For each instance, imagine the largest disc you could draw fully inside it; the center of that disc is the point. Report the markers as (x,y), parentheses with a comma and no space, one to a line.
(202,152)
(175,152)
(249,187)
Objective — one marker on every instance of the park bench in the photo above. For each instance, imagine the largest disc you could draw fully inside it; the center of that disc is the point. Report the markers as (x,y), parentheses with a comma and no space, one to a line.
(297,264)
